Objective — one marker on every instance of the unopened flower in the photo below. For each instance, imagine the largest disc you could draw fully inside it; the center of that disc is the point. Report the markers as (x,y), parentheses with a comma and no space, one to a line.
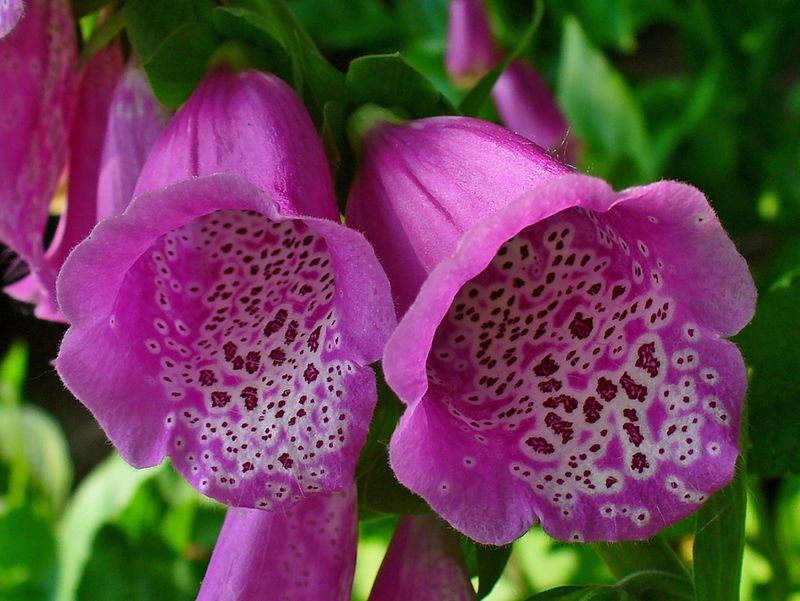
(564,359)
(471,52)
(135,119)
(225,319)
(424,562)
(307,552)
(523,99)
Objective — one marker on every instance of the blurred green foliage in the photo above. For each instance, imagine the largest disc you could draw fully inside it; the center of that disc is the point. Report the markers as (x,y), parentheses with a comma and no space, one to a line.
(704,91)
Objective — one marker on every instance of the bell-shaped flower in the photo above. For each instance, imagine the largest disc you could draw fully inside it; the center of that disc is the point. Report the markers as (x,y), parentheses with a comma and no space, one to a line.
(135,119)
(470,52)
(524,101)
(564,359)
(306,552)
(527,107)
(10,14)
(424,562)
(227,319)
(39,78)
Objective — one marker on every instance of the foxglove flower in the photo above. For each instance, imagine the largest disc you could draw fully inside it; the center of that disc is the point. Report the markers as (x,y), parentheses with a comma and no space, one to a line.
(225,319)
(564,359)
(526,106)
(424,562)
(524,102)
(307,552)
(471,52)
(135,120)
(10,14)
(39,76)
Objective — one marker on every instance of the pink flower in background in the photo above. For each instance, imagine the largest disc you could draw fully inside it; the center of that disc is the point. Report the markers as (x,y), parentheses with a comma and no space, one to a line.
(39,76)
(523,99)
(307,552)
(562,353)
(227,319)
(423,562)
(470,52)
(135,119)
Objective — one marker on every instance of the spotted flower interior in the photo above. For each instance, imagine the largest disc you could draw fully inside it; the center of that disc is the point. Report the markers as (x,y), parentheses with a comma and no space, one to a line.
(571,363)
(236,316)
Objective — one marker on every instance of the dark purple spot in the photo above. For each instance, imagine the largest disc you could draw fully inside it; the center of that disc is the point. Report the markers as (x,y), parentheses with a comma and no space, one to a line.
(634,435)
(207,377)
(569,403)
(606,389)
(647,360)
(220,398)
(540,445)
(250,396)
(311,373)
(546,367)
(639,462)
(559,426)
(581,326)
(591,410)
(635,392)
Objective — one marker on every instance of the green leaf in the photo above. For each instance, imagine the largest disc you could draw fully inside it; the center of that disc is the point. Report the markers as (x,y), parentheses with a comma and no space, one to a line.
(81,8)
(631,557)
(13,369)
(581,593)
(378,488)
(769,345)
(101,497)
(102,35)
(150,22)
(179,63)
(599,105)
(719,542)
(389,81)
(491,563)
(473,102)
(42,448)
(27,556)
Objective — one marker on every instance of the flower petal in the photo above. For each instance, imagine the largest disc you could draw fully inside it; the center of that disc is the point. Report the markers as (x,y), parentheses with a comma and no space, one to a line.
(423,184)
(251,124)
(38,73)
(470,48)
(424,563)
(10,14)
(135,120)
(209,327)
(566,364)
(308,552)
(527,107)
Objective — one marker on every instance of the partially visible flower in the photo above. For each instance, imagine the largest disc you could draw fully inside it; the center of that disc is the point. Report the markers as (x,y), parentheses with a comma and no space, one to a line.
(306,553)
(424,562)
(10,14)
(39,76)
(98,80)
(470,52)
(227,319)
(524,101)
(527,107)
(135,119)
(564,359)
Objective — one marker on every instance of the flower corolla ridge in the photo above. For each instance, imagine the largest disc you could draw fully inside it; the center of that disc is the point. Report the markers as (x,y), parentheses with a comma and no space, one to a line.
(564,359)
(424,562)
(226,319)
(307,552)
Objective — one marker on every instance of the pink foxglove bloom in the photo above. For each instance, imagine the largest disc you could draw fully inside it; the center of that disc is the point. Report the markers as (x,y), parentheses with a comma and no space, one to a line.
(524,101)
(135,120)
(527,107)
(307,552)
(424,563)
(10,14)
(564,358)
(227,319)
(39,76)
(471,52)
